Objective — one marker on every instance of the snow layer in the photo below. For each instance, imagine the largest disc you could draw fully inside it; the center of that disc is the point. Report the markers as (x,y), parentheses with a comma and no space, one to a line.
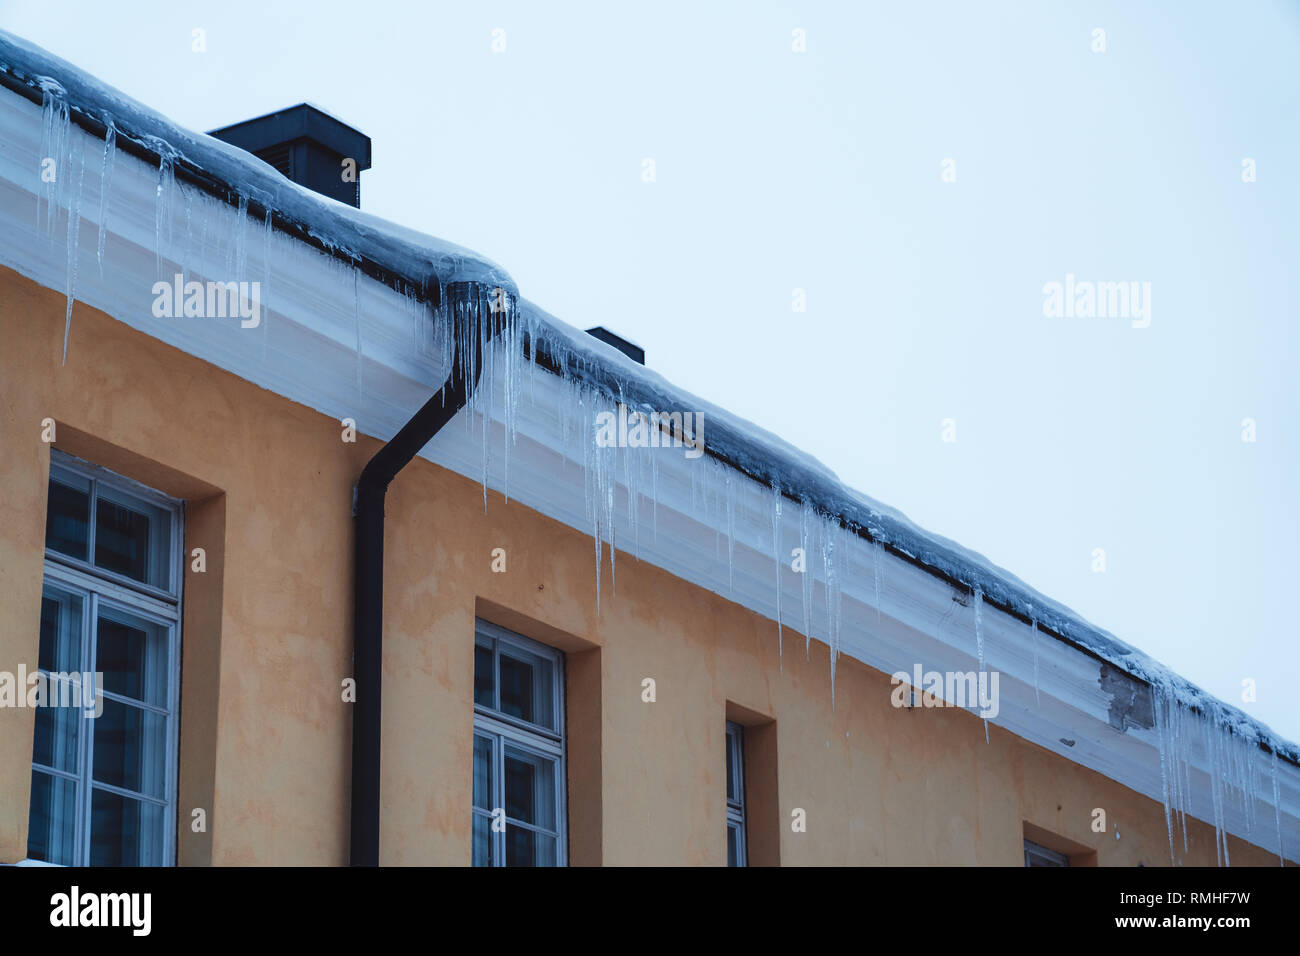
(338,227)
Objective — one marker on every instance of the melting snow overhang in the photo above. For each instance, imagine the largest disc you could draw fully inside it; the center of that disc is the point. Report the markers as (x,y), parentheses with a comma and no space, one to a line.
(349,331)
(395,255)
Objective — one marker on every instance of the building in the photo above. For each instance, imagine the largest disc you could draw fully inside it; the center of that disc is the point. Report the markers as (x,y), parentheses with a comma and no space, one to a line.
(577,602)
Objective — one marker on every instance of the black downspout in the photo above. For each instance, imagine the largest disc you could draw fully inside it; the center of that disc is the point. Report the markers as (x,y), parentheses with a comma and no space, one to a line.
(368,608)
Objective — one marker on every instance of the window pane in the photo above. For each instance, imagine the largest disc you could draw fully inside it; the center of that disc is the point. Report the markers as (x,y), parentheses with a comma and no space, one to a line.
(52,827)
(733,792)
(529,848)
(131,652)
(57,726)
(530,788)
(735,844)
(1036,855)
(482,852)
(61,612)
(131,748)
(483,772)
(526,687)
(67,519)
(124,832)
(131,537)
(483,678)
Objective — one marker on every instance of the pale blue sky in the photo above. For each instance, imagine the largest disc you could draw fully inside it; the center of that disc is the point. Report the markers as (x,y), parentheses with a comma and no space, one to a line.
(821,171)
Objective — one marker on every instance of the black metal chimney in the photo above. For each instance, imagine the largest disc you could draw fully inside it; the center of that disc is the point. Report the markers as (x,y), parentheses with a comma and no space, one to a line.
(630,349)
(310,147)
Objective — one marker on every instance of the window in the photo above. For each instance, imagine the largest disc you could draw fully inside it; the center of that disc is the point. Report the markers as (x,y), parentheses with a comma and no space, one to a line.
(104,756)
(519,811)
(1036,855)
(735,795)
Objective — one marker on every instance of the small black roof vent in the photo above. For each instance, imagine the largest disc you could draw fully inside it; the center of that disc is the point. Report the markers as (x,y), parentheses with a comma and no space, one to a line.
(634,352)
(308,146)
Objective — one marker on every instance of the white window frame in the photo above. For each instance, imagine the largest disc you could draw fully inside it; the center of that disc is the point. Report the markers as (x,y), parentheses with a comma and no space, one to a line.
(505,729)
(736,805)
(159,605)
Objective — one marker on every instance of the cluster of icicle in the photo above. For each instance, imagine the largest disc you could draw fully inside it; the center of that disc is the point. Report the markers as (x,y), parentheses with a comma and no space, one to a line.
(507,340)
(1196,744)
(60,198)
(622,486)
(61,187)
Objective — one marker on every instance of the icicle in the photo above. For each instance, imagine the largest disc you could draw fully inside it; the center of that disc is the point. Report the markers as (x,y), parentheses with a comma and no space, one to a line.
(1033,636)
(356,322)
(206,203)
(1277,810)
(776,562)
(485,393)
(590,475)
(105,187)
(1185,782)
(188,253)
(979,645)
(631,470)
(731,533)
(55,148)
(805,545)
(241,240)
(654,496)
(1221,762)
(163,205)
(611,487)
(712,474)
(878,571)
(600,464)
(265,298)
(1216,794)
(73,236)
(514,348)
(830,532)
(1162,732)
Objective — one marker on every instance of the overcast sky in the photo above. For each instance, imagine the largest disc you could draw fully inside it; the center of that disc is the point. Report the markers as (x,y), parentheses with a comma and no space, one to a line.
(825,171)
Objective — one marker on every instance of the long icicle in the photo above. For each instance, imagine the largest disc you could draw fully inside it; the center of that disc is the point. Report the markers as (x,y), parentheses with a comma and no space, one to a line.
(1277,811)
(1033,636)
(1158,705)
(979,645)
(878,571)
(264,298)
(163,206)
(105,188)
(55,149)
(356,322)
(74,235)
(731,532)
(776,561)
(830,566)
(805,545)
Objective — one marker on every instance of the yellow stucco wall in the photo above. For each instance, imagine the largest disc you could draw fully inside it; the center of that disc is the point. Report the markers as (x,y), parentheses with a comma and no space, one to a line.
(266,737)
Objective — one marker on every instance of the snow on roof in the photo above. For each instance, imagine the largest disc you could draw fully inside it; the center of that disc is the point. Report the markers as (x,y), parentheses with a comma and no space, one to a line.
(407,254)
(424,260)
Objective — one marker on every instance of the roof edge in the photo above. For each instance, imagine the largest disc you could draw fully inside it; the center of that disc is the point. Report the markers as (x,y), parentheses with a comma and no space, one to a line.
(402,258)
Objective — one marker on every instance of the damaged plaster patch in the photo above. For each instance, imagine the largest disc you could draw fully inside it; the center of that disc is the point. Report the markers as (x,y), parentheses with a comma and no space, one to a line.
(1130,699)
